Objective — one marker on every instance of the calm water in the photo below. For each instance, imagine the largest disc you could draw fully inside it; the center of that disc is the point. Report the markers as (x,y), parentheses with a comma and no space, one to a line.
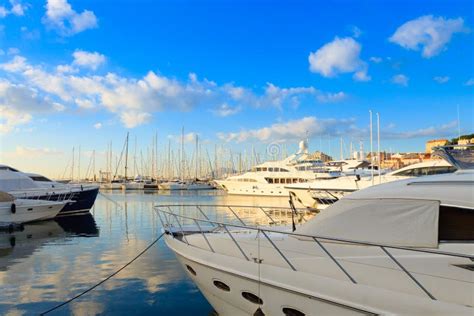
(52,261)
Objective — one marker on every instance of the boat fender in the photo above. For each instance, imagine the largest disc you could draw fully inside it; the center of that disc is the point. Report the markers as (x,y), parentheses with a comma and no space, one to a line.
(12,241)
(13,208)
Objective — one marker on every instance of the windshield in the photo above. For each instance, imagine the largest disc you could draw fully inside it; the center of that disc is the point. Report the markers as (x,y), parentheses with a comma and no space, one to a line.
(460,156)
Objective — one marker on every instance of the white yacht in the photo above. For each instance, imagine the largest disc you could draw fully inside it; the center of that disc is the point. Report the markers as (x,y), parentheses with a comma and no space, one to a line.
(21,211)
(189,185)
(321,194)
(24,185)
(271,177)
(404,247)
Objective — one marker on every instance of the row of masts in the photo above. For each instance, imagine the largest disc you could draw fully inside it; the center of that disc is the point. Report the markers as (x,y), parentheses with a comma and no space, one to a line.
(172,164)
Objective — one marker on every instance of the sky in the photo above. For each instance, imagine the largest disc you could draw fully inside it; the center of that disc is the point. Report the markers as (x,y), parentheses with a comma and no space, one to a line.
(236,73)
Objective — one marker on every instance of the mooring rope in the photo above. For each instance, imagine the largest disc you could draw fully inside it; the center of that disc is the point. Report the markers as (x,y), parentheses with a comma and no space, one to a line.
(104,280)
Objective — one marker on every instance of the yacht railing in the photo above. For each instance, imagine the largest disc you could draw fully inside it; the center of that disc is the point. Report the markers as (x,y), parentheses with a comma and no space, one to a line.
(173,219)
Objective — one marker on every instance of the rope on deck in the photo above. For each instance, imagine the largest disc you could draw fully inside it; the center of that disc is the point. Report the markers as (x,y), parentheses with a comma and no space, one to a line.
(104,280)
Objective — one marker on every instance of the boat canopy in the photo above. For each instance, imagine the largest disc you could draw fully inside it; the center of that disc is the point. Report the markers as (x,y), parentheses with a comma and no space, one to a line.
(388,221)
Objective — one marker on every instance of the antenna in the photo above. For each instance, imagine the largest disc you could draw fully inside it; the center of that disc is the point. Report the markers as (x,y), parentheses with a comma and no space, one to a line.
(459,126)
(371,149)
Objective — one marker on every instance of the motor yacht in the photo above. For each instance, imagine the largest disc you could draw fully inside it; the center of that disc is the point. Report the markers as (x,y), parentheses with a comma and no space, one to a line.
(23,185)
(403,247)
(321,194)
(21,211)
(271,177)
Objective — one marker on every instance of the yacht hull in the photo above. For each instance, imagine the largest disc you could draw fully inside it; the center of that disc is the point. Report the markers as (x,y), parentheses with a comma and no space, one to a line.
(280,288)
(29,211)
(258,189)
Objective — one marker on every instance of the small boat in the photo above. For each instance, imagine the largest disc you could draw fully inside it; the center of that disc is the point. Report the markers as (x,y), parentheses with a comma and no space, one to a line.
(24,210)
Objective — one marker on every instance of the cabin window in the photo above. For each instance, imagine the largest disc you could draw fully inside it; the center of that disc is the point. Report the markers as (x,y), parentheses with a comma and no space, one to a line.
(284,170)
(295,180)
(264,169)
(276,181)
(269,180)
(288,181)
(191,270)
(288,311)
(39,178)
(277,169)
(455,224)
(221,285)
(252,298)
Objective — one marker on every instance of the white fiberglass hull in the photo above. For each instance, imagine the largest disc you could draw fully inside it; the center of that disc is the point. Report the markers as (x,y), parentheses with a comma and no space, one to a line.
(323,289)
(253,188)
(133,186)
(29,210)
(111,186)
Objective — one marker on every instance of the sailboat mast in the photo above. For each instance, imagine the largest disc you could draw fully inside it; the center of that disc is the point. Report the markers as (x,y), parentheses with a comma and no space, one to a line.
(378,147)
(196,157)
(371,150)
(182,154)
(126,157)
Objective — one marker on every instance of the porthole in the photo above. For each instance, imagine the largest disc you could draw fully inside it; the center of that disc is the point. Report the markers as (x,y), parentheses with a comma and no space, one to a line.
(288,311)
(221,285)
(191,270)
(252,298)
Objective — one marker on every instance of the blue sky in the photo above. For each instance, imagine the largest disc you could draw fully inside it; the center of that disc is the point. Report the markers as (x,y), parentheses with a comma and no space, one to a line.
(239,73)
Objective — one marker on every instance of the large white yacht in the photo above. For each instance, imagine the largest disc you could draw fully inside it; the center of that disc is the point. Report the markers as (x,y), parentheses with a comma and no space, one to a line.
(321,194)
(271,177)
(24,185)
(404,247)
(21,211)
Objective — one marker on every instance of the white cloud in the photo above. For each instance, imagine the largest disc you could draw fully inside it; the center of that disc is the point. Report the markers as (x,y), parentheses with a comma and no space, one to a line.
(98,125)
(66,69)
(131,119)
(429,33)
(28,152)
(18,103)
(376,60)
(90,60)
(356,32)
(61,17)
(470,82)
(441,79)
(400,79)
(342,55)
(135,100)
(291,130)
(13,51)
(331,97)
(226,110)
(16,8)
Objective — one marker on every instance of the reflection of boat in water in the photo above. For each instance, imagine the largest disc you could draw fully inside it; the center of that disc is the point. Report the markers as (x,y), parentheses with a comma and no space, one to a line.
(22,244)
(83,225)
(403,247)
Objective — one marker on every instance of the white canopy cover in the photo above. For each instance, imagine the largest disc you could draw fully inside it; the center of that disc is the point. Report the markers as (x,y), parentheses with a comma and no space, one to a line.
(395,222)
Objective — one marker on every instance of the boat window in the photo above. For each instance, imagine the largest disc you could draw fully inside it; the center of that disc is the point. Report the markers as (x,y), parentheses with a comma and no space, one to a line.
(288,311)
(252,298)
(8,168)
(270,169)
(455,224)
(258,169)
(40,178)
(191,270)
(221,285)
(283,170)
(264,169)
(269,180)
(418,172)
(288,180)
(276,181)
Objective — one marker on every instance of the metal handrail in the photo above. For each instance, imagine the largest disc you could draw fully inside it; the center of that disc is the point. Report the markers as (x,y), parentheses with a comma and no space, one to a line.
(313,237)
(357,242)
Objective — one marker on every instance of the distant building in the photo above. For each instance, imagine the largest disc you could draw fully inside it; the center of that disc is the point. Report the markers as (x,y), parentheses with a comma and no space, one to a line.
(318,155)
(434,143)
(465,141)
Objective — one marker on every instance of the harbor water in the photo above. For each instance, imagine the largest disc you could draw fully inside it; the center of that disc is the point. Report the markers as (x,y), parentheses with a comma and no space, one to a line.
(50,262)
